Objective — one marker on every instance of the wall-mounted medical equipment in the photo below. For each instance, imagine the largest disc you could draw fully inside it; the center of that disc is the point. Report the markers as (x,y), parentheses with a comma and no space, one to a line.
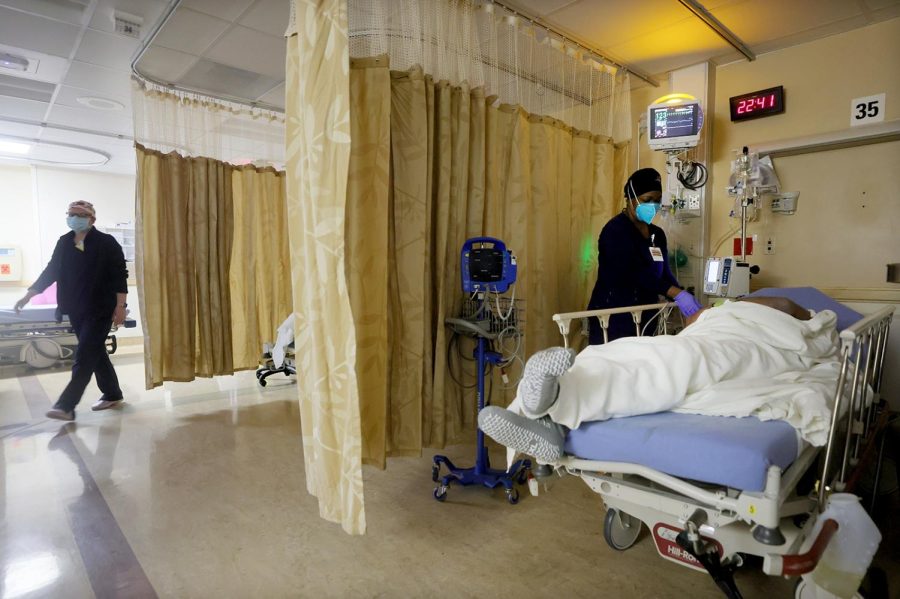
(674,122)
(10,263)
(785,203)
(726,277)
(494,321)
(765,102)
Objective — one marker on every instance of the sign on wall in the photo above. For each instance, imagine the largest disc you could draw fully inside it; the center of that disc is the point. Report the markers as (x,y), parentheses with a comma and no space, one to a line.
(867,110)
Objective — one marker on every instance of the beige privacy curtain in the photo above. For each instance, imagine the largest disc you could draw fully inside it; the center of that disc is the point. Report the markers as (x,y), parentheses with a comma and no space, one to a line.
(211,264)
(318,152)
(460,167)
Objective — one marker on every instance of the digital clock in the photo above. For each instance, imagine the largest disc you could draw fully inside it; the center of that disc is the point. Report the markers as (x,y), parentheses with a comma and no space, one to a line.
(756,104)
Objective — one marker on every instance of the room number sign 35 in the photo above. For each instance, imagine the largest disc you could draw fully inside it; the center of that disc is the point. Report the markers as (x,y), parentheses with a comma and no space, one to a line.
(867,110)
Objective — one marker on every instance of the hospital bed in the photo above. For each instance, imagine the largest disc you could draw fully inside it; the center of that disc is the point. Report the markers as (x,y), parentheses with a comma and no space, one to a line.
(712,490)
(34,337)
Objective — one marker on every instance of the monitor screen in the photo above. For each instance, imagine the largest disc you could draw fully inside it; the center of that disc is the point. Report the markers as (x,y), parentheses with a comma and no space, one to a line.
(712,271)
(674,121)
(486,265)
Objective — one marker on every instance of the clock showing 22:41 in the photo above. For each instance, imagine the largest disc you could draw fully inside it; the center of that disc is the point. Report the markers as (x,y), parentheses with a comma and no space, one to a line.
(867,110)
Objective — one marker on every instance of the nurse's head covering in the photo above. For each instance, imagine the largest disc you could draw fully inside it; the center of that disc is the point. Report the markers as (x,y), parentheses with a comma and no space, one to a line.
(83,207)
(641,181)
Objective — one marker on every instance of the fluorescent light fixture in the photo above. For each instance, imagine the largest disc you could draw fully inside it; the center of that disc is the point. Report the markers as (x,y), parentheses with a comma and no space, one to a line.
(13,62)
(13,147)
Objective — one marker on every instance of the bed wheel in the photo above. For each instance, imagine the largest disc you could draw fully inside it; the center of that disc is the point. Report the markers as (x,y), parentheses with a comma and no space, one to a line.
(512,496)
(620,530)
(440,493)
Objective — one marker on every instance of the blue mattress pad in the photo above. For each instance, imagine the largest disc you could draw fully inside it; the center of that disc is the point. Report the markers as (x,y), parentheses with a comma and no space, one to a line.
(733,452)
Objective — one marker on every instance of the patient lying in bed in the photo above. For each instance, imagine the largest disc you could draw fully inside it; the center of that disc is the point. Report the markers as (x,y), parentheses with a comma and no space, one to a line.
(765,357)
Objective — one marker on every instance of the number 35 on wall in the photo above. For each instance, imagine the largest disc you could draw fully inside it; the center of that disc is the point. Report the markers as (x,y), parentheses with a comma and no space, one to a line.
(867,110)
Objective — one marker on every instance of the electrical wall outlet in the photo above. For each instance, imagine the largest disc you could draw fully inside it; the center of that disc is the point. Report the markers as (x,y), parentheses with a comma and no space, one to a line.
(770,245)
(693,202)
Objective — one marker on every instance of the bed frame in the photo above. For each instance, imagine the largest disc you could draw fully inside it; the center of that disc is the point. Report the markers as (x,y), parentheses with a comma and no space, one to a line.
(709,527)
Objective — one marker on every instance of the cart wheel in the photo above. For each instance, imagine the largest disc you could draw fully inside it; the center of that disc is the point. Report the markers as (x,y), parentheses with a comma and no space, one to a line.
(440,493)
(512,496)
(435,473)
(620,530)
(805,589)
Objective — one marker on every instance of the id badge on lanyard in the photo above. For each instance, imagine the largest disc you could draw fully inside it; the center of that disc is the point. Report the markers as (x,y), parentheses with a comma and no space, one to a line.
(657,256)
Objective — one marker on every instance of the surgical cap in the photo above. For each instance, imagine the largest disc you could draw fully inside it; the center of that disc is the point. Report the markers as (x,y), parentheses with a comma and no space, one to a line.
(641,181)
(83,206)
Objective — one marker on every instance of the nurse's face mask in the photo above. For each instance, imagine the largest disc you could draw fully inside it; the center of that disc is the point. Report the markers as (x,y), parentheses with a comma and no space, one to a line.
(646,211)
(78,223)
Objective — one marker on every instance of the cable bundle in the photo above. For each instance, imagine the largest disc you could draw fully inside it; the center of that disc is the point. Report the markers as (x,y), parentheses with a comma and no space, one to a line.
(692,175)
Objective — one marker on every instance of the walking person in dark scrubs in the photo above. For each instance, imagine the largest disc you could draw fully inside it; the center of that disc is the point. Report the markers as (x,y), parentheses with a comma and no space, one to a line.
(88,267)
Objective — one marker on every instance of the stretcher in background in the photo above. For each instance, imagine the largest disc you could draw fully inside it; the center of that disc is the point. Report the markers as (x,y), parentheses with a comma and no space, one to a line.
(34,337)
(278,357)
(713,490)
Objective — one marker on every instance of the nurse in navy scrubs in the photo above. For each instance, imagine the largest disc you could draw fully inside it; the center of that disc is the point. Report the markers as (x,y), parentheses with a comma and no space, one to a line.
(634,261)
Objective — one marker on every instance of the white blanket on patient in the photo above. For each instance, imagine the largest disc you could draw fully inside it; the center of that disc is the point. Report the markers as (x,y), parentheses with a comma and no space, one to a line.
(739,359)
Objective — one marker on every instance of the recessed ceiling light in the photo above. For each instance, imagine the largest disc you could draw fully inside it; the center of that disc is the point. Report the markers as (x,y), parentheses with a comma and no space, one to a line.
(13,62)
(13,147)
(98,103)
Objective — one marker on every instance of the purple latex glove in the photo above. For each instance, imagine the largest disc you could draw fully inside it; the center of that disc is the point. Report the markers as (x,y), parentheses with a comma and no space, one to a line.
(687,303)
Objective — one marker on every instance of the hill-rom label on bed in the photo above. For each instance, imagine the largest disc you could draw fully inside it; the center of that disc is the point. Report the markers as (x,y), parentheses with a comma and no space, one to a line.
(664,536)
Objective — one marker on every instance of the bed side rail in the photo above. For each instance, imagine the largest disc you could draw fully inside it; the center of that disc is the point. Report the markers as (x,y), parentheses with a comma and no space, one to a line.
(564,321)
(857,412)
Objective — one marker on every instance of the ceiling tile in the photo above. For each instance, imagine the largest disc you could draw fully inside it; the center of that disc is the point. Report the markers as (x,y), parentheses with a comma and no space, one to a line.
(97,120)
(274,97)
(22,109)
(267,57)
(540,8)
(70,12)
(36,33)
(29,89)
(190,32)
(753,22)
(107,50)
(100,79)
(227,81)
(163,64)
(68,96)
(19,130)
(225,9)
(613,22)
(684,43)
(268,16)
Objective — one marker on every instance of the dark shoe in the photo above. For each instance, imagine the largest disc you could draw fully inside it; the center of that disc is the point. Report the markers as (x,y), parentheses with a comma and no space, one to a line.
(58,414)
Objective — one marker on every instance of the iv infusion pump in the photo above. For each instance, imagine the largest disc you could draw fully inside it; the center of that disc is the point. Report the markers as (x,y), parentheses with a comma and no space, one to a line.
(726,277)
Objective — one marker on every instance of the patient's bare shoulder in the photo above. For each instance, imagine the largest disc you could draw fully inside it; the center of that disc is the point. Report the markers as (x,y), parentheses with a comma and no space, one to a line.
(782,304)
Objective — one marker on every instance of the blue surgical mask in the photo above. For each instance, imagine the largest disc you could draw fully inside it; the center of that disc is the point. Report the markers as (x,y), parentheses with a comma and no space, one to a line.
(78,223)
(646,212)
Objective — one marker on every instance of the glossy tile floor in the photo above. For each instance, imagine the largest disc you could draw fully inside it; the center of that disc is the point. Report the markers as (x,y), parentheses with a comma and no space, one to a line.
(197,490)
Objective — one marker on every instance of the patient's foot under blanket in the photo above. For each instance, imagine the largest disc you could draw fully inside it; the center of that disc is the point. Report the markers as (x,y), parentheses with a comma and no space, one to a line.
(540,380)
(739,359)
(541,438)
